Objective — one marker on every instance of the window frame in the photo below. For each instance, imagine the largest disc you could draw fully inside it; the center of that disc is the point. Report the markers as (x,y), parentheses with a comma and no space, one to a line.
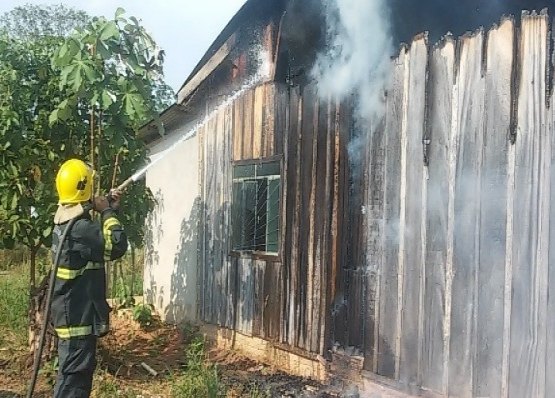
(258,254)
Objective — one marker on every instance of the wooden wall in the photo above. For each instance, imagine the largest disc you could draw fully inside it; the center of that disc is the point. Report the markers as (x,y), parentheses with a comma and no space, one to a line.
(282,298)
(430,256)
(457,286)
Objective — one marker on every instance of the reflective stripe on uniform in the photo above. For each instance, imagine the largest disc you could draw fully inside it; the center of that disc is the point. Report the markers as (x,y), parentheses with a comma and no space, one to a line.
(67,332)
(107,231)
(69,274)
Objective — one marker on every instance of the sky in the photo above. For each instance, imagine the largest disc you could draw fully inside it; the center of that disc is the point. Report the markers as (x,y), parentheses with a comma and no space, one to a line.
(184,29)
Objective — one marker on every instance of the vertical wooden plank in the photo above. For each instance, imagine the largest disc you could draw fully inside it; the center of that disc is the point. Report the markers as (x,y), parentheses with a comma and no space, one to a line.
(493,211)
(222,231)
(313,289)
(246,296)
(402,216)
(201,254)
(508,286)
(412,214)
(207,232)
(439,124)
(227,231)
(211,131)
(294,187)
(281,122)
(235,283)
(258,123)
(531,216)
(387,323)
(269,121)
(283,129)
(550,350)
(238,115)
(356,227)
(327,234)
(272,299)
(341,326)
(306,225)
(470,116)
(259,272)
(248,121)
(321,213)
(203,226)
(217,217)
(336,228)
(374,241)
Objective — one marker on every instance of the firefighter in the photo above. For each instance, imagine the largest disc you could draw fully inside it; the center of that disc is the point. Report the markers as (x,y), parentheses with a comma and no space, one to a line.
(80,313)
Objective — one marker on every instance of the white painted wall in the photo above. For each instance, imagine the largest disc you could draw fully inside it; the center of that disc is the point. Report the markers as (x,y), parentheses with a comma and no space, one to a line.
(170,280)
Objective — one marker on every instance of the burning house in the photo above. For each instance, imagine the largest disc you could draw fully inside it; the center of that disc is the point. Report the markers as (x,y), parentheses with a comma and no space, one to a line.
(342,206)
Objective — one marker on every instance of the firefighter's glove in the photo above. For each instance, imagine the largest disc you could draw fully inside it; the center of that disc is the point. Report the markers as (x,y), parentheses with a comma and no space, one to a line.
(100,203)
(114,199)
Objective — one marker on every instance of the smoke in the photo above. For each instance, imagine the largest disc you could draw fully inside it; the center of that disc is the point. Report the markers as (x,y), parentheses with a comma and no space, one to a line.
(261,75)
(356,60)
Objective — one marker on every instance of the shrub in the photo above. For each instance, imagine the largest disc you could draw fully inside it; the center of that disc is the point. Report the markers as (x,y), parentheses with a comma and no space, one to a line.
(143,314)
(199,379)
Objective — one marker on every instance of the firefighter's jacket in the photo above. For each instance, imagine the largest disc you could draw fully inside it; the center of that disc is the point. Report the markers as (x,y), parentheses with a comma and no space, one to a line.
(79,306)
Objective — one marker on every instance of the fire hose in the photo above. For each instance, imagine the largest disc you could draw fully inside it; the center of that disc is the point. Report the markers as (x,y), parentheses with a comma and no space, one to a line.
(52,280)
(38,353)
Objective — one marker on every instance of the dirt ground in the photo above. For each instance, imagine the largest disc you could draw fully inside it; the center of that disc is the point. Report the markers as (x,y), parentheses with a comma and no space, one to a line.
(123,352)
(121,371)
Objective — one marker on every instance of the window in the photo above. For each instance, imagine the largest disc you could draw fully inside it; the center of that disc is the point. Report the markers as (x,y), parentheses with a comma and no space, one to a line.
(255,207)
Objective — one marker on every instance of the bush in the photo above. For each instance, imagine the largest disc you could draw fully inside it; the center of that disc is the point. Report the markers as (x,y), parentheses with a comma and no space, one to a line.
(142,313)
(199,378)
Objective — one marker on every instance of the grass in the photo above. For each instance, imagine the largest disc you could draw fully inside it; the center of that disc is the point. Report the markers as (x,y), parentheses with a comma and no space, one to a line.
(14,290)
(106,386)
(199,379)
(196,378)
(14,304)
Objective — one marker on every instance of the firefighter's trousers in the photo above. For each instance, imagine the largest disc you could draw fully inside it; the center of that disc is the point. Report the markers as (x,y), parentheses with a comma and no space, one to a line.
(77,362)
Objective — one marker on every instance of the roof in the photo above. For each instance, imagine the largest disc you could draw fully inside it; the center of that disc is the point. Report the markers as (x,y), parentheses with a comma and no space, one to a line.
(218,51)
(252,8)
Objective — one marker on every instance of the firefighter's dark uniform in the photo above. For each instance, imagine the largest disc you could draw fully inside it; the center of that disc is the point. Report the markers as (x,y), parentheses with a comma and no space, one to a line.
(80,313)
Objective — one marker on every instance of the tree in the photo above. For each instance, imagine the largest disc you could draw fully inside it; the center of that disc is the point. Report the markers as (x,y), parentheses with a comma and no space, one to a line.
(30,22)
(112,71)
(62,97)
(28,149)
(84,95)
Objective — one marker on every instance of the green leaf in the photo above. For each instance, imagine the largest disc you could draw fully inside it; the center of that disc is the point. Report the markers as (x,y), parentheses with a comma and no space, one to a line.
(54,117)
(134,106)
(90,72)
(109,31)
(119,12)
(15,200)
(107,99)
(46,233)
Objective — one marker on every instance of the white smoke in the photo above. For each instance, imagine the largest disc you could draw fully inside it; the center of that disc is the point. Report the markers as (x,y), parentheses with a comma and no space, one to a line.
(357,59)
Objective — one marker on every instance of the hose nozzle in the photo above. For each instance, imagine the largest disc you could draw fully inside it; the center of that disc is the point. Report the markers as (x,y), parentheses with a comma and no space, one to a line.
(125,184)
(120,188)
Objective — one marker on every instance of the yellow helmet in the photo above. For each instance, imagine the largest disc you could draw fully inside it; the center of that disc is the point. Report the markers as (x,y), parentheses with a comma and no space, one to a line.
(74,182)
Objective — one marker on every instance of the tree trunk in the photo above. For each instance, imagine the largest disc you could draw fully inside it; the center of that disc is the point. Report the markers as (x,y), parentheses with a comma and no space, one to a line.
(33,268)
(37,308)
(132,288)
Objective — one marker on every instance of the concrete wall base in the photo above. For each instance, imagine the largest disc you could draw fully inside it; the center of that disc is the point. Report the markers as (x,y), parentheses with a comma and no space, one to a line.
(309,366)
